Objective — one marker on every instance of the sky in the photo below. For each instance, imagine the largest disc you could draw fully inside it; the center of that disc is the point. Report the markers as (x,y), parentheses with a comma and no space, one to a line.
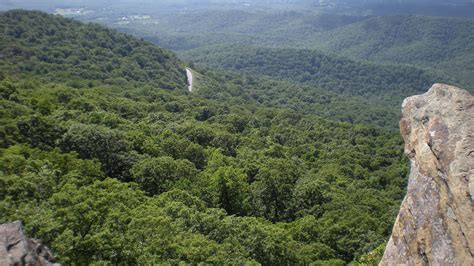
(50,5)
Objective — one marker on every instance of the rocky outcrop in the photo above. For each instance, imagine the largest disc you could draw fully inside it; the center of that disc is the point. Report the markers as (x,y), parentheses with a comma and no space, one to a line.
(435,225)
(15,249)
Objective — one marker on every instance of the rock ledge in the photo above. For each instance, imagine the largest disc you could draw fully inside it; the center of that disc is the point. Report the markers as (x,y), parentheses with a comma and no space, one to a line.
(15,249)
(435,224)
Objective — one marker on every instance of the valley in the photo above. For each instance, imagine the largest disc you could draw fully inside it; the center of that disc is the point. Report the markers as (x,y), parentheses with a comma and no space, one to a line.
(217,132)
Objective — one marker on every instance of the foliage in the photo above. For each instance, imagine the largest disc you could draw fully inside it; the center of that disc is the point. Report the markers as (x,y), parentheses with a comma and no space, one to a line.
(142,175)
(157,175)
(82,55)
(443,44)
(385,84)
(241,88)
(373,257)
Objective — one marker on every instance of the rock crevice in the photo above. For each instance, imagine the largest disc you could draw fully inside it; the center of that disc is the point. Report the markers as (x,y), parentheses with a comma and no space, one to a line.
(16,249)
(435,224)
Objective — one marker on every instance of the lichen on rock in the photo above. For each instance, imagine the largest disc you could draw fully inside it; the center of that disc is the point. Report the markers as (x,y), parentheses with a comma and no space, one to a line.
(435,224)
(16,249)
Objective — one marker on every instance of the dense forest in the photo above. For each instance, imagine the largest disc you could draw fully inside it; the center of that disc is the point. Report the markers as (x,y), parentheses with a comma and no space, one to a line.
(241,88)
(234,26)
(69,51)
(184,31)
(442,44)
(107,158)
(445,44)
(386,84)
(355,69)
(87,60)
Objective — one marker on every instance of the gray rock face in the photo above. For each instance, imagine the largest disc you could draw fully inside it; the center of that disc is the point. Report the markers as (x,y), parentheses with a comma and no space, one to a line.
(435,225)
(15,249)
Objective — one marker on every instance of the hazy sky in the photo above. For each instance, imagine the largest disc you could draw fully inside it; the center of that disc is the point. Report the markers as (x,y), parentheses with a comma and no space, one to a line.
(50,5)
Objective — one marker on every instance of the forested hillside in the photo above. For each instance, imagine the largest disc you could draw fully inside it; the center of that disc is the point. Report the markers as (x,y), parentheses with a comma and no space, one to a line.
(441,43)
(93,55)
(184,31)
(359,61)
(445,44)
(66,50)
(138,171)
(386,85)
(238,88)
(245,22)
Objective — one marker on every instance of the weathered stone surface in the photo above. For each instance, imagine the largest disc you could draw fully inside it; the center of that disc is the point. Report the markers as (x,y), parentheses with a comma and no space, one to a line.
(435,224)
(15,249)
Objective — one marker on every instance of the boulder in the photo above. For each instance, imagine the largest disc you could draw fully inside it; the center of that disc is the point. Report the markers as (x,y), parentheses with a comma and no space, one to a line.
(16,249)
(435,224)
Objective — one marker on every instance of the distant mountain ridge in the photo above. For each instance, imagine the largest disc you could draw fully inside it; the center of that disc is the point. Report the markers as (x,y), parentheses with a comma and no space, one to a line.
(441,43)
(446,44)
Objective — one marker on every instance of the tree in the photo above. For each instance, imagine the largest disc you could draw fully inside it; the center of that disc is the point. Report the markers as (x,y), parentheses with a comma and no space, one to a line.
(39,132)
(107,145)
(271,192)
(89,221)
(160,174)
(228,189)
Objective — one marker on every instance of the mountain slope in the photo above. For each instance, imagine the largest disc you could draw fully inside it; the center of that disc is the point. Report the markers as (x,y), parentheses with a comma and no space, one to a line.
(442,43)
(61,49)
(387,84)
(85,55)
(261,23)
(238,88)
(136,174)
(183,31)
